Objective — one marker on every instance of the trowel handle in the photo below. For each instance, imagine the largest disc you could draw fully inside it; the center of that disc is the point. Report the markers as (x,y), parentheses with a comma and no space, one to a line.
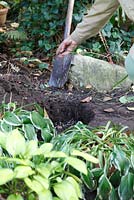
(69,18)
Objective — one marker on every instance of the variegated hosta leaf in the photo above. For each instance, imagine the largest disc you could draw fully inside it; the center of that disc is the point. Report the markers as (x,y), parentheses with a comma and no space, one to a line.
(15,143)
(6,175)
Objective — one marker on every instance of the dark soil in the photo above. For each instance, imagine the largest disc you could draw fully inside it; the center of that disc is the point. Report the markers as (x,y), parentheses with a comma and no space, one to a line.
(26,86)
(23,85)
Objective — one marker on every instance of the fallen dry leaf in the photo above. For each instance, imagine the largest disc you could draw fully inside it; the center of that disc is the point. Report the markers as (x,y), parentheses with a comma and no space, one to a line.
(45,59)
(128,132)
(133,88)
(88,86)
(38,73)
(46,114)
(23,59)
(111,145)
(32,65)
(86,100)
(109,110)
(14,25)
(107,99)
(28,53)
(130,108)
(99,134)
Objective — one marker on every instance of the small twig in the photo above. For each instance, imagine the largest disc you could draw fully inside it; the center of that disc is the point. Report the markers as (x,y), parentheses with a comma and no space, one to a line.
(103,39)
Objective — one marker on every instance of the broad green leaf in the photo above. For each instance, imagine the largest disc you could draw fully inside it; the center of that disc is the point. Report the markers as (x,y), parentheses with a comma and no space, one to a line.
(113,195)
(125,99)
(42,180)
(88,180)
(31,148)
(46,134)
(1,151)
(107,166)
(97,172)
(86,156)
(23,172)
(65,191)
(6,127)
(45,194)
(32,196)
(43,66)
(11,106)
(50,126)
(37,120)
(25,119)
(56,166)
(6,175)
(44,170)
(47,46)
(77,164)
(34,185)
(12,119)
(55,154)
(120,161)
(104,188)
(76,186)
(115,178)
(45,148)
(126,187)
(24,115)
(29,131)
(18,161)
(15,143)
(132,159)
(0,125)
(15,197)
(101,158)
(3,138)
(39,109)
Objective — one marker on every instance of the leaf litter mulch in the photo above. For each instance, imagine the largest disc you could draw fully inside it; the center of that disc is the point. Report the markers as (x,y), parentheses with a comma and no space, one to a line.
(65,107)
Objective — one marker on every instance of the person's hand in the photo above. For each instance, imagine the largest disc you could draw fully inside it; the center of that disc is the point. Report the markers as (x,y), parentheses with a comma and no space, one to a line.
(66,47)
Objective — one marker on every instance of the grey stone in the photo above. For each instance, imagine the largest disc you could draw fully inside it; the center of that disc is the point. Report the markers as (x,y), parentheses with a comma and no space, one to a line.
(100,74)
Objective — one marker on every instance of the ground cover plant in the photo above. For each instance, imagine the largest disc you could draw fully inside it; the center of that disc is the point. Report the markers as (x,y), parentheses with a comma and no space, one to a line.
(32,168)
(32,124)
(43,34)
(31,35)
(80,159)
(113,177)
(27,168)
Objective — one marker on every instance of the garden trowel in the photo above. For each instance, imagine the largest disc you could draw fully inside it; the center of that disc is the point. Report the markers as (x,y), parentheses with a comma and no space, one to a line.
(62,64)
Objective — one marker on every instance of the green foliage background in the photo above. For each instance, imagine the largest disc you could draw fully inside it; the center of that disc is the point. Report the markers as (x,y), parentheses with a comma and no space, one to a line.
(43,22)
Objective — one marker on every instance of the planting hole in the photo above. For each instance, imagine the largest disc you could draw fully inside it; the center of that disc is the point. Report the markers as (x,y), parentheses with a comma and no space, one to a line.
(66,110)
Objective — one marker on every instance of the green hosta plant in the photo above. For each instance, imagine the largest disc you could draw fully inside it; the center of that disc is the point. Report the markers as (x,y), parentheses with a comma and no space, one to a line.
(30,123)
(32,171)
(112,178)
